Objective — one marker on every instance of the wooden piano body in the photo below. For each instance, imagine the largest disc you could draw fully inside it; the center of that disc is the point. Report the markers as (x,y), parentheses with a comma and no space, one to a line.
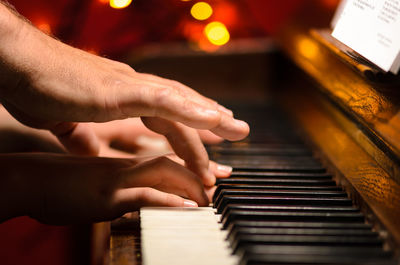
(346,111)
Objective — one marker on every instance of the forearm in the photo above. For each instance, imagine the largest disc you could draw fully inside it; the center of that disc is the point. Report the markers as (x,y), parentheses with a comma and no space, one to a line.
(10,27)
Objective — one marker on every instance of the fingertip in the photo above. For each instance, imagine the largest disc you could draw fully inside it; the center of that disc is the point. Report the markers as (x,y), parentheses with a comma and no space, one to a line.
(219,170)
(189,203)
(223,170)
(231,129)
(243,129)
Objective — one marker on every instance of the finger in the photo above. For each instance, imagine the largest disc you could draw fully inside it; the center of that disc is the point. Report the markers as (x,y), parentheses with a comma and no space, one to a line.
(182,89)
(132,199)
(155,98)
(219,170)
(147,98)
(210,192)
(78,138)
(165,175)
(186,91)
(209,138)
(187,145)
(231,129)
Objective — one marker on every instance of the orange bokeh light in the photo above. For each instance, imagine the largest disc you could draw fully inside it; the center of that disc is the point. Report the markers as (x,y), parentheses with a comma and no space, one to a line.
(44,27)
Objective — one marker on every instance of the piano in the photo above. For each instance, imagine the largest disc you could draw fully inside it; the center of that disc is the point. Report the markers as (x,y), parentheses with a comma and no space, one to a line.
(316,182)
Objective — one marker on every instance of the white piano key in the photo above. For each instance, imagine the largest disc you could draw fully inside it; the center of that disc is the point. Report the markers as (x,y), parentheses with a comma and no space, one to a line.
(183,236)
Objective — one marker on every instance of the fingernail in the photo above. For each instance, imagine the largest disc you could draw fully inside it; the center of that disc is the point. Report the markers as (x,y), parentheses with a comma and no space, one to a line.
(187,203)
(241,123)
(224,168)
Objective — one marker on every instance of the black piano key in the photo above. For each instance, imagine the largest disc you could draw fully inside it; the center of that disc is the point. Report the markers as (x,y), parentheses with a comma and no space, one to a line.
(281,192)
(272,163)
(291,184)
(226,194)
(222,187)
(285,175)
(279,181)
(239,232)
(281,200)
(234,215)
(346,258)
(301,240)
(309,225)
(260,150)
(257,208)
(356,251)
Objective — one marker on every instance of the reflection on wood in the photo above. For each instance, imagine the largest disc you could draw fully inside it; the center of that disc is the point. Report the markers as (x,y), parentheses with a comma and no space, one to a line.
(363,176)
(373,107)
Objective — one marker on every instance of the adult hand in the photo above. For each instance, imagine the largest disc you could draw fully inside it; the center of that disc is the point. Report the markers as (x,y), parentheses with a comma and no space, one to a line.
(62,189)
(129,135)
(50,85)
(49,82)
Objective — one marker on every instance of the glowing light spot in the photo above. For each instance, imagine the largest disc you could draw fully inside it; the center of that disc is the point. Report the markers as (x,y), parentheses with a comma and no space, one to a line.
(45,27)
(307,48)
(217,33)
(118,4)
(201,11)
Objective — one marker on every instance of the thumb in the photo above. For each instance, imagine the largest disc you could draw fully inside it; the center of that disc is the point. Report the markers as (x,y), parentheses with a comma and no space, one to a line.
(77,138)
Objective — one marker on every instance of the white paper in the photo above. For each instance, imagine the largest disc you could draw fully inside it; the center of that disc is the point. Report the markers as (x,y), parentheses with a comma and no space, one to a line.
(372,29)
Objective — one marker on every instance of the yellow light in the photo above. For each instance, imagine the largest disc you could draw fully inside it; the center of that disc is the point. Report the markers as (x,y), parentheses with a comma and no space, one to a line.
(307,47)
(118,4)
(217,33)
(201,11)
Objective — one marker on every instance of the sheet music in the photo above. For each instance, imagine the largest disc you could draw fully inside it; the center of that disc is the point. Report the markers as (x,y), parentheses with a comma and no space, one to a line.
(372,29)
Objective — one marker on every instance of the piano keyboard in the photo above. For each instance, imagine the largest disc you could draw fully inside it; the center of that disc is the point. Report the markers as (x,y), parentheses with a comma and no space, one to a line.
(280,206)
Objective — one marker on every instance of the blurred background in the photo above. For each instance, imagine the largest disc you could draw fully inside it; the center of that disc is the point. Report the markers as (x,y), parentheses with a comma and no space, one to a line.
(115,27)
(226,49)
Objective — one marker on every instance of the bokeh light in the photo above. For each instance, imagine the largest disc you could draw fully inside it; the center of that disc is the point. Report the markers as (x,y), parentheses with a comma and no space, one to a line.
(118,4)
(201,11)
(217,33)
(307,48)
(44,27)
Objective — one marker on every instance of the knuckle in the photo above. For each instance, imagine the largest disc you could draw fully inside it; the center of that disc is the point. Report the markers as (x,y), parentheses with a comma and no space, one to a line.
(172,200)
(144,195)
(110,99)
(126,67)
(161,96)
